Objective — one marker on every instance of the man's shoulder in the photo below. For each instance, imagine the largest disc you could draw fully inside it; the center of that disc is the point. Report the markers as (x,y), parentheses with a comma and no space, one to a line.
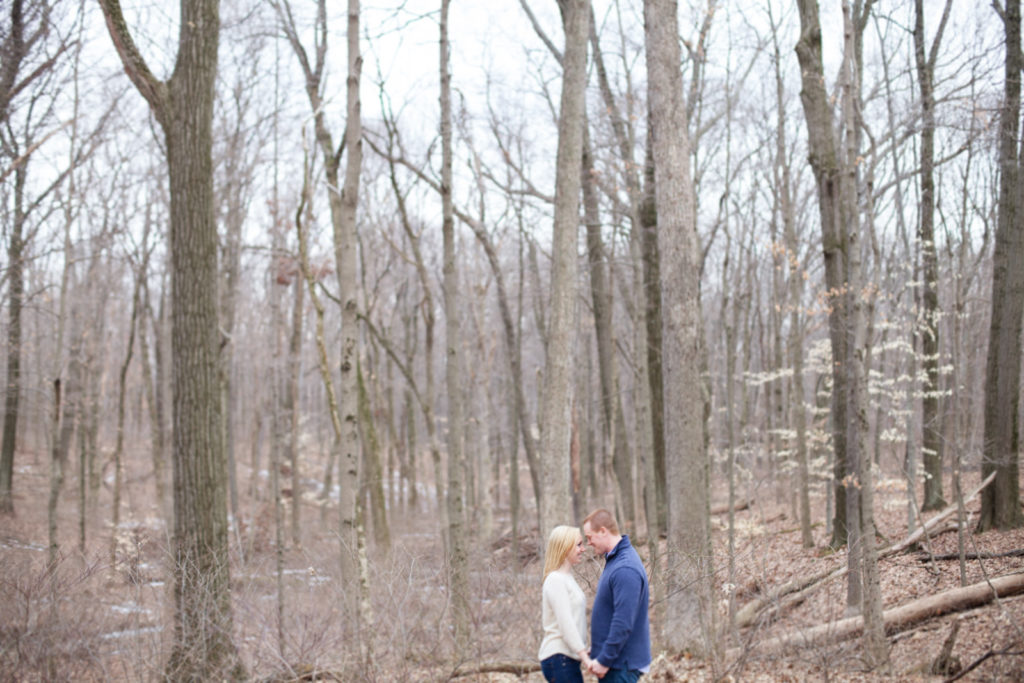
(627,560)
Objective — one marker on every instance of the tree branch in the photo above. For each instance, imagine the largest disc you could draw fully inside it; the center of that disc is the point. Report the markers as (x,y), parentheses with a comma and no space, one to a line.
(153,89)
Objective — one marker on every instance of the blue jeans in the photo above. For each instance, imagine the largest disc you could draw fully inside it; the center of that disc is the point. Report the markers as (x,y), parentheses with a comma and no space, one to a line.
(561,669)
(622,676)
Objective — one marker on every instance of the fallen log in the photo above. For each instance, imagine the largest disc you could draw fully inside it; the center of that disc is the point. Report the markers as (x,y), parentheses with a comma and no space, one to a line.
(519,667)
(794,592)
(1019,552)
(724,507)
(899,618)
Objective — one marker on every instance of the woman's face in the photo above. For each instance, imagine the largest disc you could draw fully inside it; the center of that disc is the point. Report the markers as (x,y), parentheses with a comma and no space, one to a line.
(576,552)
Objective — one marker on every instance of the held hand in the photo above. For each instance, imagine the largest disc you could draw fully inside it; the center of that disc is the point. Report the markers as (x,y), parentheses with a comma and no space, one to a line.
(597,668)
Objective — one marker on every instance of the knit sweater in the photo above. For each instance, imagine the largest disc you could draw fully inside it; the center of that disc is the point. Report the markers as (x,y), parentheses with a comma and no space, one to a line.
(620,635)
(564,615)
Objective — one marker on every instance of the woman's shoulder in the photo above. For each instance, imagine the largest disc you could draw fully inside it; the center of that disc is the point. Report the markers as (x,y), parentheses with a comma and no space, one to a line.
(557,578)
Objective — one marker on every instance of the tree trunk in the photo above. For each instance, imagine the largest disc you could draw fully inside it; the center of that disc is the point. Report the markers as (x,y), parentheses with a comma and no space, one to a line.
(825,164)
(931,425)
(458,559)
(150,387)
(343,212)
(600,293)
(183,105)
(122,380)
(372,467)
(556,401)
(292,407)
(651,267)
(798,401)
(688,622)
(12,388)
(234,215)
(343,220)
(1000,503)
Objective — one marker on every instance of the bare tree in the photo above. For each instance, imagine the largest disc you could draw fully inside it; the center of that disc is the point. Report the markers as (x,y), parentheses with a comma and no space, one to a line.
(688,613)
(785,191)
(183,106)
(31,51)
(342,201)
(1000,503)
(824,159)
(930,417)
(555,503)
(458,560)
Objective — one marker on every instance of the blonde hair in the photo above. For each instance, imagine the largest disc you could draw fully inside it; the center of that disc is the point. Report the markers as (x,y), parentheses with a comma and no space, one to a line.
(561,541)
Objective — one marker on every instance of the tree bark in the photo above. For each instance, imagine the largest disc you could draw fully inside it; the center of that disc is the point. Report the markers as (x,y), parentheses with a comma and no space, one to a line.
(183,105)
(343,220)
(931,425)
(824,160)
(782,172)
(12,388)
(1000,503)
(458,559)
(372,467)
(688,621)
(556,399)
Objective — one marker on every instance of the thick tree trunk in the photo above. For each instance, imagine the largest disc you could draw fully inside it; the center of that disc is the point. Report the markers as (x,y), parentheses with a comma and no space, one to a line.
(203,646)
(689,618)
(556,400)
(203,631)
(1000,503)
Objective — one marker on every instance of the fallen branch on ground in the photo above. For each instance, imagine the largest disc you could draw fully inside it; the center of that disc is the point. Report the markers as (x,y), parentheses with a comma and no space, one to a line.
(724,507)
(991,653)
(794,592)
(519,667)
(904,616)
(1019,552)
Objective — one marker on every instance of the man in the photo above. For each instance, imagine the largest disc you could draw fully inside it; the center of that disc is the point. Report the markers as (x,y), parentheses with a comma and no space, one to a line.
(620,634)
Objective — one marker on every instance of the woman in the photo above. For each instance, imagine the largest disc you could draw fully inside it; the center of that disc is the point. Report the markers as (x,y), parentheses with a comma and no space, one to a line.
(564,609)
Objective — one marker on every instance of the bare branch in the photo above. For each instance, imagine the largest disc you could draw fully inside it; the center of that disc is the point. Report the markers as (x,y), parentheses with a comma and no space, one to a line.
(153,89)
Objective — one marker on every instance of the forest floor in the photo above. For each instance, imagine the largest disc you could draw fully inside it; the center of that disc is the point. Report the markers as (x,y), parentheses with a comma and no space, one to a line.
(105,613)
(769,554)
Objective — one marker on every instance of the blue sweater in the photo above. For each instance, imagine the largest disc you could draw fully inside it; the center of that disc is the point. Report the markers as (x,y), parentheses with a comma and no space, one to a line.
(620,633)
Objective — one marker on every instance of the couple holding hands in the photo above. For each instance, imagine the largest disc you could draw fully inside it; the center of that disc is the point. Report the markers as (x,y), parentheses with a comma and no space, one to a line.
(620,640)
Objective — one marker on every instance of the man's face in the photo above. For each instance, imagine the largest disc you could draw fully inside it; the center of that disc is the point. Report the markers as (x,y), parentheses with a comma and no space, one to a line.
(598,539)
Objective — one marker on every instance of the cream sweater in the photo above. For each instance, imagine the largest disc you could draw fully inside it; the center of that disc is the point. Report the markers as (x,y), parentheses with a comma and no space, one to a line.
(564,614)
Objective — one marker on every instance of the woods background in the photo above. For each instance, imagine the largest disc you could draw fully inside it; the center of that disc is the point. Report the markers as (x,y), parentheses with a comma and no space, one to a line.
(308,347)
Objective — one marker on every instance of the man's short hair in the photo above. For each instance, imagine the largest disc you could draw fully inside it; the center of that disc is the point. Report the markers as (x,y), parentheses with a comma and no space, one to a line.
(602,518)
